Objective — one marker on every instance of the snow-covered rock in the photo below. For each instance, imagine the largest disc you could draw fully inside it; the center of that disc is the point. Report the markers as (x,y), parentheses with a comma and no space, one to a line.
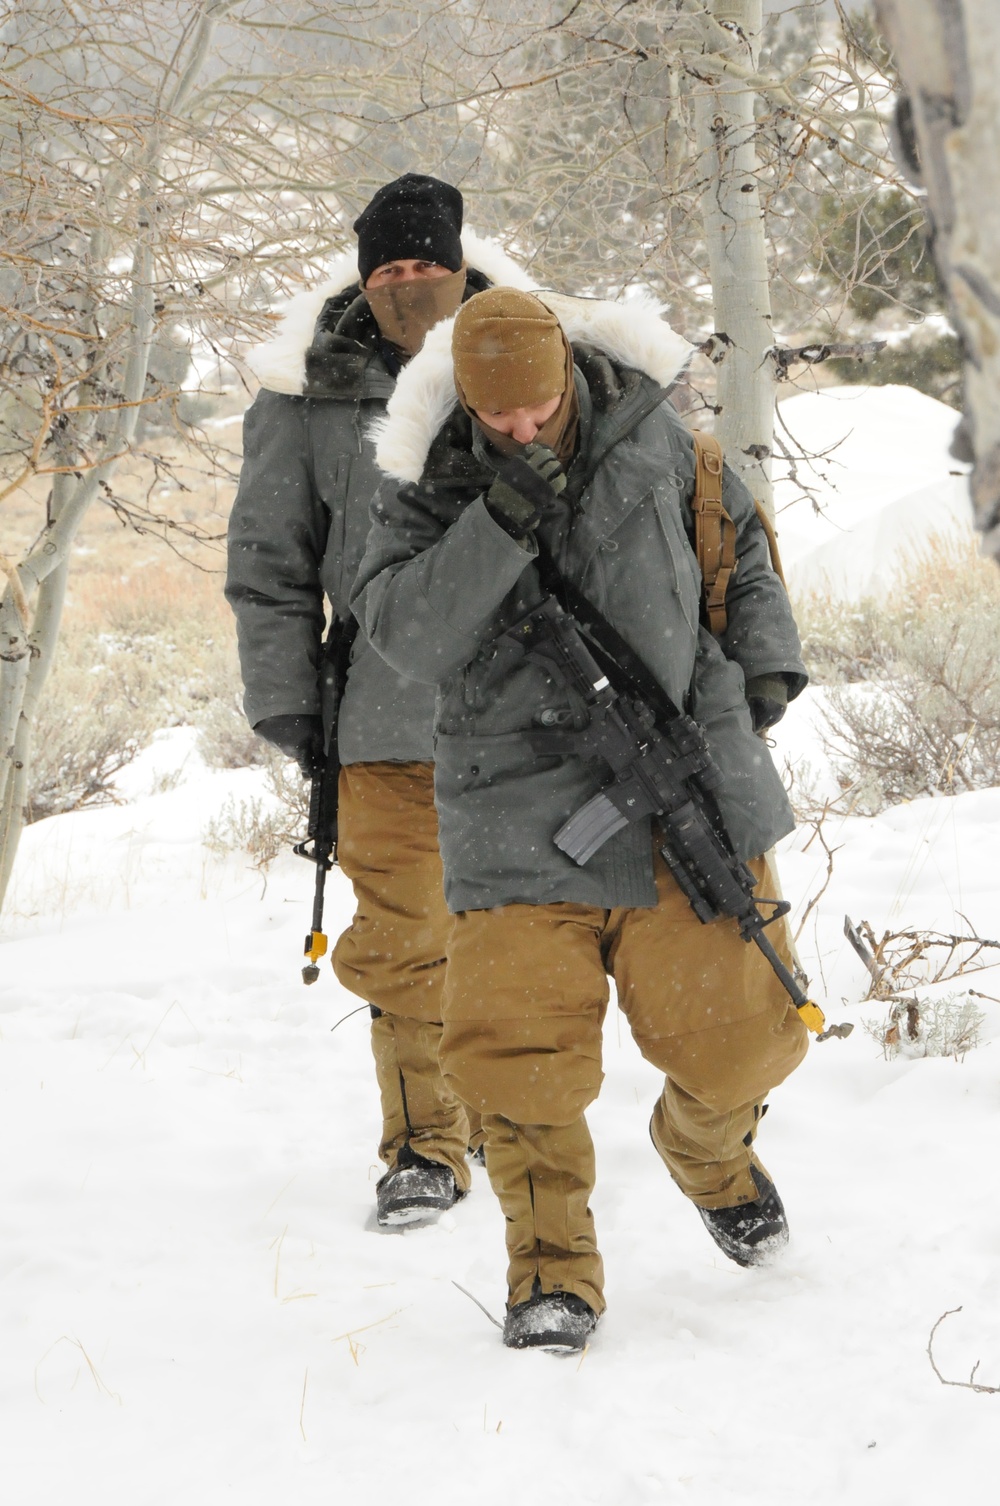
(877,485)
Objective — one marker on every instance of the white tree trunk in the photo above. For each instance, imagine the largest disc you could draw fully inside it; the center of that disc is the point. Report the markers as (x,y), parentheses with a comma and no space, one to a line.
(947,52)
(27,649)
(44,634)
(734,232)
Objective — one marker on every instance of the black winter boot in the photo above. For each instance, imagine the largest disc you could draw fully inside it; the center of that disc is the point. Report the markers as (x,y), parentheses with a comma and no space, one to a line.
(560,1322)
(415,1189)
(752,1233)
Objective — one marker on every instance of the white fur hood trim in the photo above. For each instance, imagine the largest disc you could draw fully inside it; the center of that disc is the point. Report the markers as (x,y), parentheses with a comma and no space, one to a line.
(633,333)
(279,364)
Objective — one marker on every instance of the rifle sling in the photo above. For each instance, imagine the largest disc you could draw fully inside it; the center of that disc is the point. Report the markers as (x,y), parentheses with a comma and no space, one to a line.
(337,648)
(639,679)
(714,531)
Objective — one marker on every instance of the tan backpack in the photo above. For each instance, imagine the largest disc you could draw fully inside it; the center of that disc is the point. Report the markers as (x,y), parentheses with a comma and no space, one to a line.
(715,532)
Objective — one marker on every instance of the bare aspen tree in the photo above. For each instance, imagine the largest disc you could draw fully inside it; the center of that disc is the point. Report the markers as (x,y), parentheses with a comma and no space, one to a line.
(665,143)
(107,405)
(949,139)
(737,249)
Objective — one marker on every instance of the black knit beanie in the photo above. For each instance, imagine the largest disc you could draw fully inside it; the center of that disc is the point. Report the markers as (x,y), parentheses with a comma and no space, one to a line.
(414,217)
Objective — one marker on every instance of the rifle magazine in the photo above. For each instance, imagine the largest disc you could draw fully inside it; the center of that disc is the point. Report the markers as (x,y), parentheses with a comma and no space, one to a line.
(586,831)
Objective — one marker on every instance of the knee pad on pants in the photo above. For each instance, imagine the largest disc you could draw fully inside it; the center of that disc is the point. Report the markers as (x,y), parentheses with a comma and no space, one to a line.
(543,1071)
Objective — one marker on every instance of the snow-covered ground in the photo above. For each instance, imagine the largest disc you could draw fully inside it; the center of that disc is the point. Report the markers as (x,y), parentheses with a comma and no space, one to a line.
(196,1308)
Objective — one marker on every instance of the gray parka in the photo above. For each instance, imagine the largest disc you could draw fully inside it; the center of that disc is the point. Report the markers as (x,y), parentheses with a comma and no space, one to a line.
(441,583)
(300,519)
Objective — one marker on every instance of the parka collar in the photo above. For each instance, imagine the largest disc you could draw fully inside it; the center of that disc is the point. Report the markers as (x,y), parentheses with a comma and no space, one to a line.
(280,363)
(345,359)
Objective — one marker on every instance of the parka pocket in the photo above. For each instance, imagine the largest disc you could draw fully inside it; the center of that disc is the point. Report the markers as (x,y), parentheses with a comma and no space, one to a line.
(506,798)
(751,796)
(499,805)
(667,503)
(502,690)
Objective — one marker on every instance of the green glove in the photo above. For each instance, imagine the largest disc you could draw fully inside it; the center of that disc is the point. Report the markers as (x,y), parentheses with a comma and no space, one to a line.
(525,485)
(767,697)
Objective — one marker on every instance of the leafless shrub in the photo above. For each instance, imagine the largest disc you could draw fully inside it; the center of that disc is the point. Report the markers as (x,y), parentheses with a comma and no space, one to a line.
(98,714)
(225,738)
(145,650)
(288,787)
(914,707)
(816,821)
(842,641)
(166,780)
(807,789)
(263,826)
(903,960)
(971,1384)
(250,826)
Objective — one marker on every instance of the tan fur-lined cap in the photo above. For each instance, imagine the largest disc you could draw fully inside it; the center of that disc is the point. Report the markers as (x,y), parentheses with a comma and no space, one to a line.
(509,351)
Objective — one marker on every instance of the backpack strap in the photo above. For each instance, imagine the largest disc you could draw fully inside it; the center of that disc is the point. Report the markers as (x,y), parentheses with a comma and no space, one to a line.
(772,541)
(714,531)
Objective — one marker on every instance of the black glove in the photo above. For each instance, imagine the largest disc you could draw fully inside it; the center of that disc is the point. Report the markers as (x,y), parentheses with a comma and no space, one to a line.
(767,697)
(525,484)
(298,737)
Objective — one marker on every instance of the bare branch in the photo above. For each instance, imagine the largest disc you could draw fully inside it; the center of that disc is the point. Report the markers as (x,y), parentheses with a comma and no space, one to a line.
(971,1384)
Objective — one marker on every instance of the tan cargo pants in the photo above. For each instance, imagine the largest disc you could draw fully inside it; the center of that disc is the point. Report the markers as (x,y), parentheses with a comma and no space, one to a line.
(393,954)
(525,997)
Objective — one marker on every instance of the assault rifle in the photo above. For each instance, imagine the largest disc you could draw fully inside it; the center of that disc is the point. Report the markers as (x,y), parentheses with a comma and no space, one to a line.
(321,831)
(661,767)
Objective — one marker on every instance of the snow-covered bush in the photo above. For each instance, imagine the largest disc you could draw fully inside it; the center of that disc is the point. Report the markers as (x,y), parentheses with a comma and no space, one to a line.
(914,704)
(263,827)
(915,1027)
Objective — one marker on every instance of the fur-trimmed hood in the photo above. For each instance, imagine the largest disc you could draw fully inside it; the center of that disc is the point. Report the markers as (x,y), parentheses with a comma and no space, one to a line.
(633,333)
(279,364)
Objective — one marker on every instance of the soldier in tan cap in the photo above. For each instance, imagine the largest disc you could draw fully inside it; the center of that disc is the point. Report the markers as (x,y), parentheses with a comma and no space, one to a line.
(562,462)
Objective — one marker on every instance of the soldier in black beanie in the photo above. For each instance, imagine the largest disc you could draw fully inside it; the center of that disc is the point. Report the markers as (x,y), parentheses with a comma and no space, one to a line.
(296,537)
(410,260)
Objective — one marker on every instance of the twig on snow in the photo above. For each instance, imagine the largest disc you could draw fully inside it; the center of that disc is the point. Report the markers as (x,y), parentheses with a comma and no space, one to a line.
(476,1300)
(971,1384)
